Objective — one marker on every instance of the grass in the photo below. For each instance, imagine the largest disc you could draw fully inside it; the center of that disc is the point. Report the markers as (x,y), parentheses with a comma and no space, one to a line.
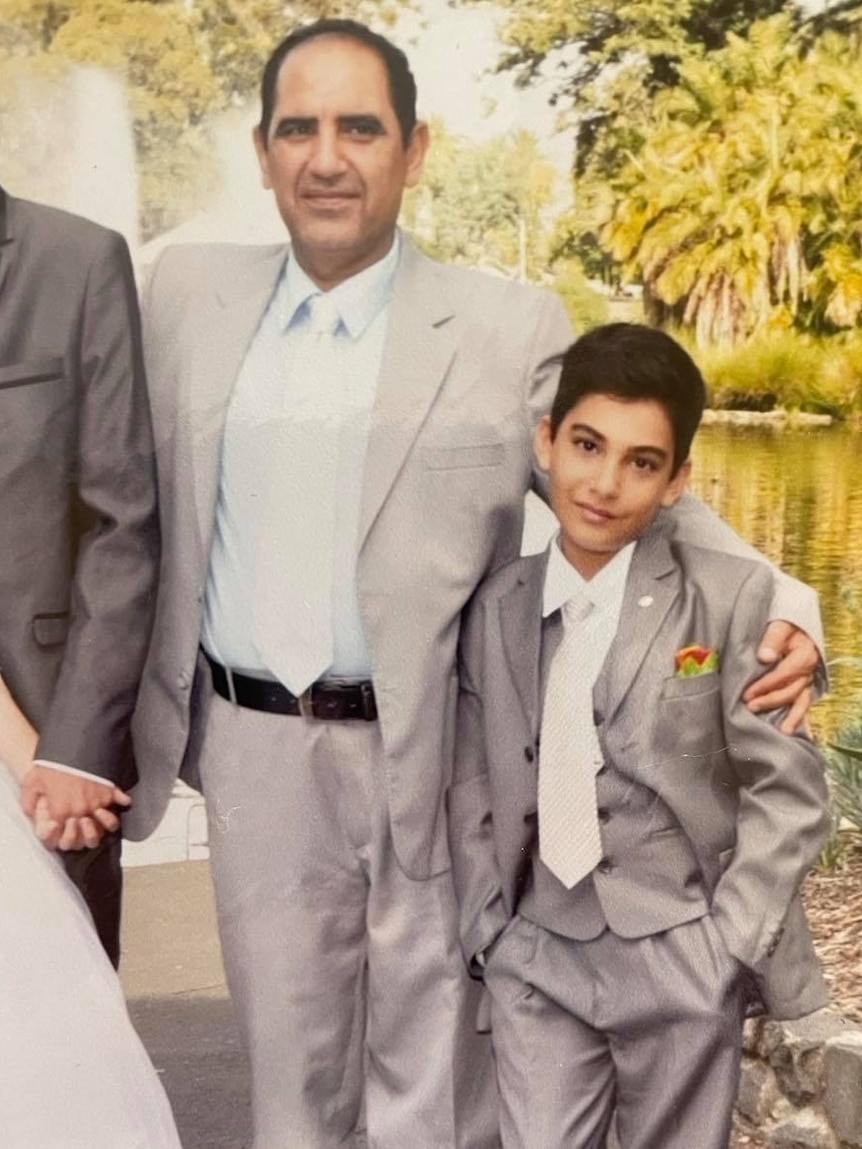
(787,370)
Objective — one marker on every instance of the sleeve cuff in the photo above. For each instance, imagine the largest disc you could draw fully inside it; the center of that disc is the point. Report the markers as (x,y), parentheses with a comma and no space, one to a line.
(71,770)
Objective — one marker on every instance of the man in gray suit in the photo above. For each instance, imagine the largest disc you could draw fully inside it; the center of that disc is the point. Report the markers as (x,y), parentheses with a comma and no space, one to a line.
(333,488)
(79,526)
(628,839)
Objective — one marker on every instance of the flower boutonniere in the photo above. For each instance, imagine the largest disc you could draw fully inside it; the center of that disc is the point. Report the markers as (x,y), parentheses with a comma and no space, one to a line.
(694,660)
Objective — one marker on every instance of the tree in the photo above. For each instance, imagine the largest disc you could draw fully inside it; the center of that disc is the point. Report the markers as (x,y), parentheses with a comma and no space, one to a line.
(742,209)
(485,203)
(604,60)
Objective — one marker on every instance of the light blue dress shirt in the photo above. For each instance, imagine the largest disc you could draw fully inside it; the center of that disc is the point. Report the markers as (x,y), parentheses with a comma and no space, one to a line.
(363,304)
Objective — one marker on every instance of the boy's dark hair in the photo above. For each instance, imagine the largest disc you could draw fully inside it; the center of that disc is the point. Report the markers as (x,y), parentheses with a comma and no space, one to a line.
(631,361)
(402,86)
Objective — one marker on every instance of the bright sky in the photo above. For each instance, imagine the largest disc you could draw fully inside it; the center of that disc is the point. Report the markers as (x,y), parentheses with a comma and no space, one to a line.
(451,56)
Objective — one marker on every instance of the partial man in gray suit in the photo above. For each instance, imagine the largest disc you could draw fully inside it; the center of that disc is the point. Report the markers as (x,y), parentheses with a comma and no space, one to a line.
(80,541)
(628,839)
(343,430)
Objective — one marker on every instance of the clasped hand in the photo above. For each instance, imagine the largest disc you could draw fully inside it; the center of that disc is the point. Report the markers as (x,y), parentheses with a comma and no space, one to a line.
(70,812)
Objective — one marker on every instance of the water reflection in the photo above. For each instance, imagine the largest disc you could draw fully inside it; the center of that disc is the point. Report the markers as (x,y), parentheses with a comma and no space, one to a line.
(797,495)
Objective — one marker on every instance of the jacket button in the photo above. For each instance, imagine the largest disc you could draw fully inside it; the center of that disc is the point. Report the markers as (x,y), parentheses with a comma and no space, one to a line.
(605,866)
(603,814)
(598,718)
(529,753)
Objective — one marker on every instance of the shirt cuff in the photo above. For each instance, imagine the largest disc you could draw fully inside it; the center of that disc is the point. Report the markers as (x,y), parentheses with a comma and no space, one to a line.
(71,770)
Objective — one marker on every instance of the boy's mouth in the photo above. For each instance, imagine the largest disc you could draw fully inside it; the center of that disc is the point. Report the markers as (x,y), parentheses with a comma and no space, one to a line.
(595,514)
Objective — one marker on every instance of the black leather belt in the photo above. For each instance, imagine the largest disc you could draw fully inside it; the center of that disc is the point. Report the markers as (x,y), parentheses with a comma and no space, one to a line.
(333,699)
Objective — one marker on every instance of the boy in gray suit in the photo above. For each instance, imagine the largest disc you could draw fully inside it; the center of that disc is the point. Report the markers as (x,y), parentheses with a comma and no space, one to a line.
(628,839)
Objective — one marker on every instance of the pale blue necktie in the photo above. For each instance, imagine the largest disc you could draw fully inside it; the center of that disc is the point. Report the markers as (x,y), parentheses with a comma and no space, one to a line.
(569,838)
(292,622)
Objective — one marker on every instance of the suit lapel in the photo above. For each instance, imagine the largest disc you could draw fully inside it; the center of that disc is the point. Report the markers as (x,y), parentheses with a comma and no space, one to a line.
(652,586)
(520,620)
(6,237)
(420,345)
(224,338)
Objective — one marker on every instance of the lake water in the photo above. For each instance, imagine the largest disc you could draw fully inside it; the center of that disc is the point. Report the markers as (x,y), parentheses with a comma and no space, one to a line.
(797,496)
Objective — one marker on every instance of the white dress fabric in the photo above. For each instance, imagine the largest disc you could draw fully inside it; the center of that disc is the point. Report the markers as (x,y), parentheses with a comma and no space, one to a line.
(73,1072)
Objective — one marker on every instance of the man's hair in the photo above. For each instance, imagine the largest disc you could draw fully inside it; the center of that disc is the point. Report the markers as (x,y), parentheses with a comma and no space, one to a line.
(630,361)
(402,86)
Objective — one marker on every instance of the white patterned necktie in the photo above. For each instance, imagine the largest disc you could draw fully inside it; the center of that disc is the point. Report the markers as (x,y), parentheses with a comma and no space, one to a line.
(292,627)
(569,838)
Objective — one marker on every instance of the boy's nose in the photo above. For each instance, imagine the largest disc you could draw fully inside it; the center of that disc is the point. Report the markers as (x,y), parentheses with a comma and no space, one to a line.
(606,479)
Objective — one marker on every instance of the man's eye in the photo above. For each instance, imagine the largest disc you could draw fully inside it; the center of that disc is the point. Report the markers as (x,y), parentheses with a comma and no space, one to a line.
(363,128)
(292,129)
(584,444)
(645,464)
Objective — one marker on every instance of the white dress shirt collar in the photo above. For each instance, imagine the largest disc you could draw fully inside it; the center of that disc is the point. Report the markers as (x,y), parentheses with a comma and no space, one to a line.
(357,300)
(605,589)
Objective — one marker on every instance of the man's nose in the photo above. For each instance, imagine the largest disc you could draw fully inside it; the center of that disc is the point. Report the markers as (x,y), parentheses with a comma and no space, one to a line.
(326,157)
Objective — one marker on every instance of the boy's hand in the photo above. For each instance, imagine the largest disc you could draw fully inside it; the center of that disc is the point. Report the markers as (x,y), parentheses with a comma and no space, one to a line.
(794,659)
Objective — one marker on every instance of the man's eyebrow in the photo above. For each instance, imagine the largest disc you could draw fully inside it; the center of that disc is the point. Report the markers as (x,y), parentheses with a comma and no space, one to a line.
(294,122)
(367,122)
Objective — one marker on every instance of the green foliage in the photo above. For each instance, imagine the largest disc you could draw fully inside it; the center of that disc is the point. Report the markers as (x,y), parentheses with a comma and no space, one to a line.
(586,307)
(845,775)
(740,213)
(606,58)
(484,204)
(784,369)
(181,62)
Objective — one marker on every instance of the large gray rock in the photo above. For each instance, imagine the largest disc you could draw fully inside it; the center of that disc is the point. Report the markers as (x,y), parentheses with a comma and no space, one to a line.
(842,1094)
(801,1129)
(758,1090)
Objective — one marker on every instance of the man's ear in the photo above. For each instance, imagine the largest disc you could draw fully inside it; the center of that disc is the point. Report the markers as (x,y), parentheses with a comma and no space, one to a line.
(543,443)
(677,485)
(262,157)
(417,149)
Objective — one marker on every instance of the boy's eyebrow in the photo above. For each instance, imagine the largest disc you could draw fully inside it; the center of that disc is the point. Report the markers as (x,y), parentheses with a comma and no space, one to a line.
(649,449)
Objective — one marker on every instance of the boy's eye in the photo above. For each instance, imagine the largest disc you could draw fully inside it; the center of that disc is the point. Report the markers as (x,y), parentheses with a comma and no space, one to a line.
(644,464)
(584,443)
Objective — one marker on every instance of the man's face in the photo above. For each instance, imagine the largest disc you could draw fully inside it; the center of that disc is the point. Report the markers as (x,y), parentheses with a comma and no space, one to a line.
(335,159)
(610,468)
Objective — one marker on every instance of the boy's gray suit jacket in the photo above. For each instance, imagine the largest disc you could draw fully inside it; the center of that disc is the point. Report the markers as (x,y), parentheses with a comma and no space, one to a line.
(751,801)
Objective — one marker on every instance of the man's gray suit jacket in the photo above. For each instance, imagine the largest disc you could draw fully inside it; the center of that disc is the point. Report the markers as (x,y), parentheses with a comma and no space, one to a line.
(750,801)
(470,364)
(80,545)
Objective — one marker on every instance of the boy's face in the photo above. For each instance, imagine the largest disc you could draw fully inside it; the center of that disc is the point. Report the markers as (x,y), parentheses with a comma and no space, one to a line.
(610,467)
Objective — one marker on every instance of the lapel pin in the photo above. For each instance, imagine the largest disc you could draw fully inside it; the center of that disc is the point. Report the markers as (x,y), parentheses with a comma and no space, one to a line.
(646,600)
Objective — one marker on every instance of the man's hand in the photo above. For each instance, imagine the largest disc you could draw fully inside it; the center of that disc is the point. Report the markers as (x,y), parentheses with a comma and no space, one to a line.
(794,659)
(70,812)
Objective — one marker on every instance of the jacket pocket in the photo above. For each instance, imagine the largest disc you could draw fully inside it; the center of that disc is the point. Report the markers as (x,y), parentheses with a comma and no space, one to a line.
(676,687)
(36,371)
(468,455)
(50,629)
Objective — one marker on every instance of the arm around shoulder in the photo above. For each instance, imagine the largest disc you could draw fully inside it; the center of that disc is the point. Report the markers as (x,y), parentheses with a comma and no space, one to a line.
(783,813)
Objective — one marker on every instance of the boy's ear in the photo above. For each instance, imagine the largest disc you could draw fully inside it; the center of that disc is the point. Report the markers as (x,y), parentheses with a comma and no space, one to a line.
(543,442)
(677,485)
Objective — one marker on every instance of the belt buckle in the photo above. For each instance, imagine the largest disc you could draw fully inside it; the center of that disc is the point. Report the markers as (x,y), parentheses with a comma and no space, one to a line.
(306,703)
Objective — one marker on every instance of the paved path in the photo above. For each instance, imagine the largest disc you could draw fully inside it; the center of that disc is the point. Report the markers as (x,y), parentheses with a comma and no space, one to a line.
(174,981)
